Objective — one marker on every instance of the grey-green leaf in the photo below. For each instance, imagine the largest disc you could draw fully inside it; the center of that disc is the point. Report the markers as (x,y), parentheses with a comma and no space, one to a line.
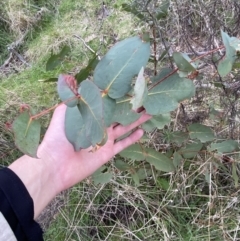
(177,159)
(183,62)
(133,10)
(85,72)
(123,113)
(56,59)
(140,91)
(134,152)
(165,96)
(100,177)
(235,43)
(142,173)
(225,65)
(162,11)
(201,132)
(91,108)
(159,161)
(178,137)
(27,134)
(74,129)
(121,165)
(123,61)
(157,122)
(227,146)
(135,178)
(191,150)
(109,106)
(67,90)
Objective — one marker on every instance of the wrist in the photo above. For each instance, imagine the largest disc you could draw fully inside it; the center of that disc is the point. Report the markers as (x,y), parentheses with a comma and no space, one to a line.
(38,177)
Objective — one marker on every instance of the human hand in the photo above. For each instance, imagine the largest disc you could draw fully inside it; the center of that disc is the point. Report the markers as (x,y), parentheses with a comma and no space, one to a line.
(72,167)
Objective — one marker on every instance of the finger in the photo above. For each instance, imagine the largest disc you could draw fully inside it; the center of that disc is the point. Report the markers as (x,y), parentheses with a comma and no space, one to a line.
(57,121)
(121,145)
(121,130)
(59,114)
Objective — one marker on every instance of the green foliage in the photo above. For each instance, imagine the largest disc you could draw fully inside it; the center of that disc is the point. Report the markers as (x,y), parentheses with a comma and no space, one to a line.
(91,109)
(175,200)
(53,79)
(131,9)
(178,137)
(164,97)
(116,69)
(140,91)
(158,121)
(158,160)
(27,133)
(57,59)
(162,10)
(76,134)
(227,146)
(177,159)
(123,113)
(67,90)
(116,93)
(183,62)
(135,153)
(101,176)
(201,132)
(135,178)
(231,46)
(121,165)
(5,39)
(190,150)
(85,72)
(109,106)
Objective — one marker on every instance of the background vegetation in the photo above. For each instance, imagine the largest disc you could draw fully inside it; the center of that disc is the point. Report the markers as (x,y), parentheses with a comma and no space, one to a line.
(197,202)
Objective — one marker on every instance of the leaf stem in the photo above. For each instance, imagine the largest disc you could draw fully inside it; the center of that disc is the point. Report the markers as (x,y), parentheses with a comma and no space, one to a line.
(161,80)
(175,70)
(52,108)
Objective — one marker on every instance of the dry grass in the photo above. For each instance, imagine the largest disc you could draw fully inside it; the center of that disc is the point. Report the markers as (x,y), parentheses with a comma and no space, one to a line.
(21,15)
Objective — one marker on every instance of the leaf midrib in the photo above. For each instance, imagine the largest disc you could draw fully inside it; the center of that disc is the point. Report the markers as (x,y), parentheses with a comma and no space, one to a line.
(131,57)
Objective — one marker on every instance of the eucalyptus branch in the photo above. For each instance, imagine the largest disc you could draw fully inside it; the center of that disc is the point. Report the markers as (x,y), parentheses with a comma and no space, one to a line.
(45,112)
(175,70)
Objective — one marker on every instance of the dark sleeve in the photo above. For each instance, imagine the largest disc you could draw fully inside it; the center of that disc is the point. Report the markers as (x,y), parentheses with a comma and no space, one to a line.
(16,205)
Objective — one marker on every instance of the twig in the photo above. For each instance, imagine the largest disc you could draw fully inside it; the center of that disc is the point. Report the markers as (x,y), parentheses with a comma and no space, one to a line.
(12,49)
(37,116)
(18,42)
(155,23)
(87,46)
(207,53)
(175,70)
(7,61)
(154,49)
(5,20)
(176,118)
(46,111)
(19,56)
(161,80)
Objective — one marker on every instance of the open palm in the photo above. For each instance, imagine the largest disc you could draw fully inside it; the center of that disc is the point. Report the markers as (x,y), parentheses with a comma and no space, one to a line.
(71,166)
